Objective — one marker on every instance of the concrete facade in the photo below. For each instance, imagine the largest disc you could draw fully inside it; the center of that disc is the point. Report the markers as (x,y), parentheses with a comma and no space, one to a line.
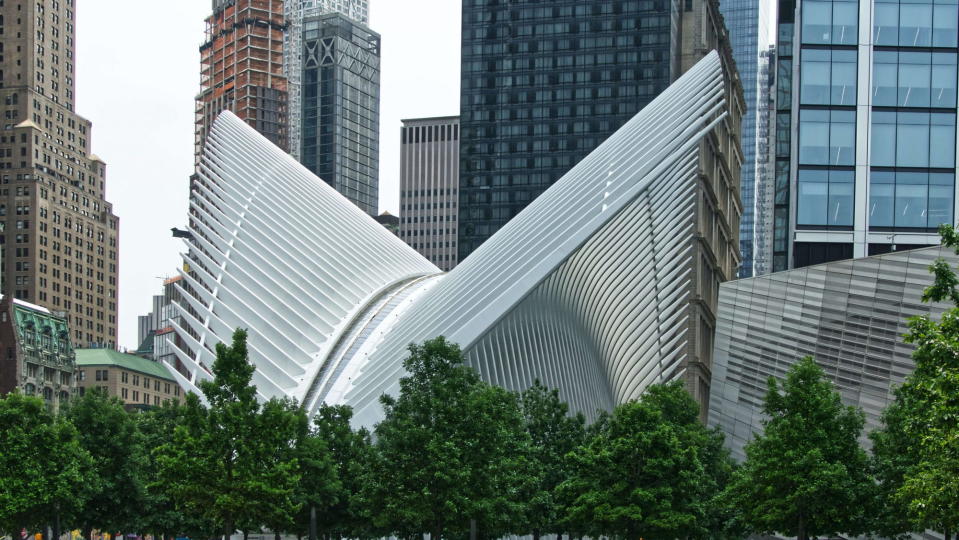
(429,187)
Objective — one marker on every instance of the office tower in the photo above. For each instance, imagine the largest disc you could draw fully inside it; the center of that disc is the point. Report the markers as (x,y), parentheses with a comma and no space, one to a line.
(341,106)
(138,382)
(765,185)
(38,358)
(542,86)
(748,25)
(296,12)
(848,315)
(59,234)
(866,126)
(241,68)
(429,186)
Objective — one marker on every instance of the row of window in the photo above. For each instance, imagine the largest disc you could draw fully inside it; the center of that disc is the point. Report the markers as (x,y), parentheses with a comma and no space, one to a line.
(899,139)
(900,79)
(899,199)
(901,24)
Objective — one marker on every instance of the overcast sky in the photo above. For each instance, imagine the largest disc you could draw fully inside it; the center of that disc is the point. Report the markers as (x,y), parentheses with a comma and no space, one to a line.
(137,75)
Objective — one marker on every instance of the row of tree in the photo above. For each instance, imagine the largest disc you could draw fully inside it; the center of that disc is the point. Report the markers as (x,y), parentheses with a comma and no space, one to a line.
(455,456)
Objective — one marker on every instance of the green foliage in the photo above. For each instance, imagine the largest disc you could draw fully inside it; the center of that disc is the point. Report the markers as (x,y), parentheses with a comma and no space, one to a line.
(917,450)
(449,450)
(44,470)
(160,512)
(338,512)
(806,474)
(649,470)
(553,434)
(226,462)
(108,433)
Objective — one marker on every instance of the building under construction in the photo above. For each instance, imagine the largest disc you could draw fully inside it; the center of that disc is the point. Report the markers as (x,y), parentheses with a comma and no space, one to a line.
(241,68)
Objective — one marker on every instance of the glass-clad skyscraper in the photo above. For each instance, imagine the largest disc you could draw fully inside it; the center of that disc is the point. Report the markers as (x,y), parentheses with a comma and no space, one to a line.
(866,127)
(748,25)
(340,106)
(297,11)
(543,84)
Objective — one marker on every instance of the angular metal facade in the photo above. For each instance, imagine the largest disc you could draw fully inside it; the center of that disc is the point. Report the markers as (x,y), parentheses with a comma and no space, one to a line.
(849,315)
(587,289)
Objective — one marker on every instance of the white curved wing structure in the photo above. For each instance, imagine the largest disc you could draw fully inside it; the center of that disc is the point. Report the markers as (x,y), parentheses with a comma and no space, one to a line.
(587,289)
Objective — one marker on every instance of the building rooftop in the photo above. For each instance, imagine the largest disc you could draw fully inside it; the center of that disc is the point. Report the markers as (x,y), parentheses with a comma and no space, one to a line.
(109,357)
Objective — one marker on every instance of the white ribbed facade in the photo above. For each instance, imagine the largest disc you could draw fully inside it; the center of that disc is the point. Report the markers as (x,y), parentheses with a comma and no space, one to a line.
(587,289)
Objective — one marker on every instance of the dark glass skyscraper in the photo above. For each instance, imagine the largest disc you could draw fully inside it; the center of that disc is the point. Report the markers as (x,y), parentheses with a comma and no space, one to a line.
(543,84)
(341,105)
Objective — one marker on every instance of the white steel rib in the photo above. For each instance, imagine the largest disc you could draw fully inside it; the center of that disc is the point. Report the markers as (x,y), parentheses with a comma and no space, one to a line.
(587,289)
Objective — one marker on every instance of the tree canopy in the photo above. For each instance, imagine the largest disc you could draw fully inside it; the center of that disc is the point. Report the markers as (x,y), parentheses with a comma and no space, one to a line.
(450,449)
(647,472)
(44,470)
(806,474)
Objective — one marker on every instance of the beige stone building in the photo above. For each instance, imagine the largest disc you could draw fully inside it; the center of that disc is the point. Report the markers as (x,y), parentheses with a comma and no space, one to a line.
(138,382)
(716,255)
(58,234)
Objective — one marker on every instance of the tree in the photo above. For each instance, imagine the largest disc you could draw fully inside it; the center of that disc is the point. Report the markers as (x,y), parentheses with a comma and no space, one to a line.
(221,463)
(108,433)
(553,434)
(338,514)
(286,439)
(917,449)
(160,513)
(450,449)
(645,472)
(44,470)
(806,474)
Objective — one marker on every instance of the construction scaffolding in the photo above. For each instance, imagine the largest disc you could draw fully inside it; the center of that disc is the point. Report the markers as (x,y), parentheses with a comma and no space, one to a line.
(241,69)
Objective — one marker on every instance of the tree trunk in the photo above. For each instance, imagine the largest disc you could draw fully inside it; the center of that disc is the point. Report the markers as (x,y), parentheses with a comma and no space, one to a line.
(437,532)
(313,522)
(473,531)
(535,534)
(246,534)
(228,527)
(801,529)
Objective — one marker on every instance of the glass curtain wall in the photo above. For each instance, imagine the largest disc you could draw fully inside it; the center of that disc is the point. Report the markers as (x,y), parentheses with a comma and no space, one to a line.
(827,116)
(913,143)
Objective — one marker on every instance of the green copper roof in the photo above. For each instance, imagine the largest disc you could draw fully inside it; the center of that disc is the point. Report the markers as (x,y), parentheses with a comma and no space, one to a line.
(37,319)
(109,357)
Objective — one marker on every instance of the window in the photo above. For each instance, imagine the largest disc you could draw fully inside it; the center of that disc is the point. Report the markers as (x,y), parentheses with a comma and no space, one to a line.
(827,137)
(914,79)
(825,197)
(915,24)
(830,22)
(910,199)
(828,77)
(913,139)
